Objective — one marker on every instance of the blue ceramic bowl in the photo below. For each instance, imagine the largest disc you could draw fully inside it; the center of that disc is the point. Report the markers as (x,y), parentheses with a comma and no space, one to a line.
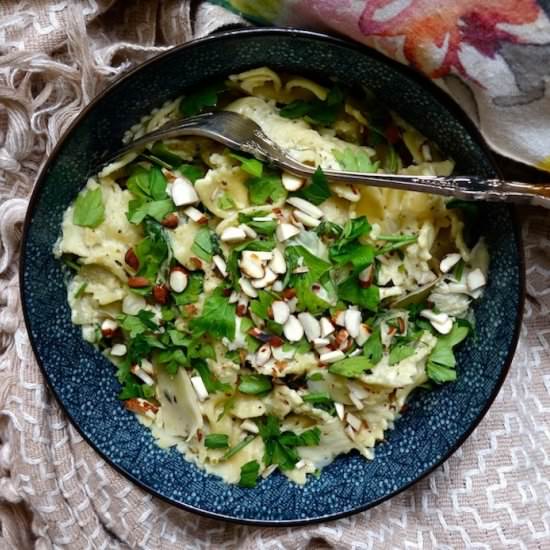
(82,380)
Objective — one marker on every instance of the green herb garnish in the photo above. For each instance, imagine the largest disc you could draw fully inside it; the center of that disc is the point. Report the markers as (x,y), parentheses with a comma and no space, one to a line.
(442,362)
(249,474)
(351,367)
(89,210)
(318,190)
(216,441)
(255,384)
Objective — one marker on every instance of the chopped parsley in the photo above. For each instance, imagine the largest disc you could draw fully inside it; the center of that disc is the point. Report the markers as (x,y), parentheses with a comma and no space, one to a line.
(250,165)
(351,367)
(255,384)
(195,102)
(441,366)
(89,210)
(217,317)
(265,189)
(355,160)
(318,190)
(249,474)
(216,441)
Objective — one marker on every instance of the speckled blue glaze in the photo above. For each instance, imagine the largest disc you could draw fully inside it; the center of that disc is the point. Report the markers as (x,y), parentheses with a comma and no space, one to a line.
(83,381)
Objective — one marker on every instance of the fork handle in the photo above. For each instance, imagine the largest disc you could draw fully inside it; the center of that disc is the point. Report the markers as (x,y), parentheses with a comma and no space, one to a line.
(464,187)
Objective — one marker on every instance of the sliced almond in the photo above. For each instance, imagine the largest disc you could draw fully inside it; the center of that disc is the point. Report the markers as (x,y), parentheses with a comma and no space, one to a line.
(355,400)
(219,262)
(263,355)
(366,276)
(292,304)
(250,233)
(147,366)
(340,411)
(251,265)
(326,327)
(199,387)
(281,311)
(178,280)
(233,235)
(293,329)
(349,432)
(277,285)
(435,317)
(247,288)
(291,182)
(305,206)
(109,327)
(183,192)
(301,269)
(312,328)
(196,215)
(340,318)
(445,327)
(233,297)
(286,231)
(475,279)
(249,426)
(353,421)
(141,406)
(332,356)
(263,255)
(278,263)
(142,375)
(387,292)
(280,355)
(306,219)
(352,322)
(363,335)
(320,342)
(449,261)
(268,278)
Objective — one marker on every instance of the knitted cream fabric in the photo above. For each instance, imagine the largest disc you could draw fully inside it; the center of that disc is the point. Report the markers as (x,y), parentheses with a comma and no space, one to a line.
(56,492)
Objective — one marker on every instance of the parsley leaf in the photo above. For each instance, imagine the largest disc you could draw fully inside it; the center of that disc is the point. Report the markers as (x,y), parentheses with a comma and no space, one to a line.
(442,362)
(250,165)
(255,384)
(316,111)
(211,383)
(372,348)
(400,351)
(318,190)
(205,244)
(266,188)
(303,282)
(260,307)
(194,102)
(192,292)
(192,172)
(216,441)
(249,474)
(152,251)
(161,151)
(355,160)
(89,210)
(351,367)
(351,291)
(217,317)
(262,227)
(137,324)
(395,242)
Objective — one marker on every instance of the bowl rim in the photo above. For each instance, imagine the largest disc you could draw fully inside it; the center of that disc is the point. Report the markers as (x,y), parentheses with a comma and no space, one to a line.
(448,102)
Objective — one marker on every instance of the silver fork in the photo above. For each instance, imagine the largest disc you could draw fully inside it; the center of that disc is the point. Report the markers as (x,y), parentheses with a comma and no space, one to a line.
(242,133)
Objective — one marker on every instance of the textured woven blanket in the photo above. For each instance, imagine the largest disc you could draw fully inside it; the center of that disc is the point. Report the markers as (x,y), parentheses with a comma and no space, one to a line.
(56,492)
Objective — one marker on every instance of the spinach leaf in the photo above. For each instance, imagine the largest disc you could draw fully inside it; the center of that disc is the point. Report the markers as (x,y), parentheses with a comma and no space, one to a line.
(194,102)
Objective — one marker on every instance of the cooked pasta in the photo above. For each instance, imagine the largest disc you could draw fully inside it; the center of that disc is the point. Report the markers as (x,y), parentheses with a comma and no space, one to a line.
(257,321)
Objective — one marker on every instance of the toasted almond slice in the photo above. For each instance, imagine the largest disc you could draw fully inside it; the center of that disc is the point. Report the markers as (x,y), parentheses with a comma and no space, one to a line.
(291,182)
(305,206)
(352,322)
(183,192)
(306,219)
(233,235)
(340,318)
(475,279)
(263,255)
(142,375)
(363,335)
(320,342)
(196,215)
(219,262)
(326,327)
(280,355)
(300,464)
(340,411)
(178,280)
(278,263)
(391,291)
(247,288)
(250,233)
(266,280)
(147,366)
(118,350)
(434,317)
(251,265)
(355,400)
(312,328)
(281,311)
(443,328)
(199,387)
(141,406)
(353,421)
(286,231)
(366,276)
(292,303)
(301,269)
(108,328)
(263,355)
(349,432)
(263,219)
(250,426)
(233,297)
(332,356)
(277,286)
(268,471)
(449,261)
(293,329)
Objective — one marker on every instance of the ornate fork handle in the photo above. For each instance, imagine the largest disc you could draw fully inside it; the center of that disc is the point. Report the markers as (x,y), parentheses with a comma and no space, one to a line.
(241,133)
